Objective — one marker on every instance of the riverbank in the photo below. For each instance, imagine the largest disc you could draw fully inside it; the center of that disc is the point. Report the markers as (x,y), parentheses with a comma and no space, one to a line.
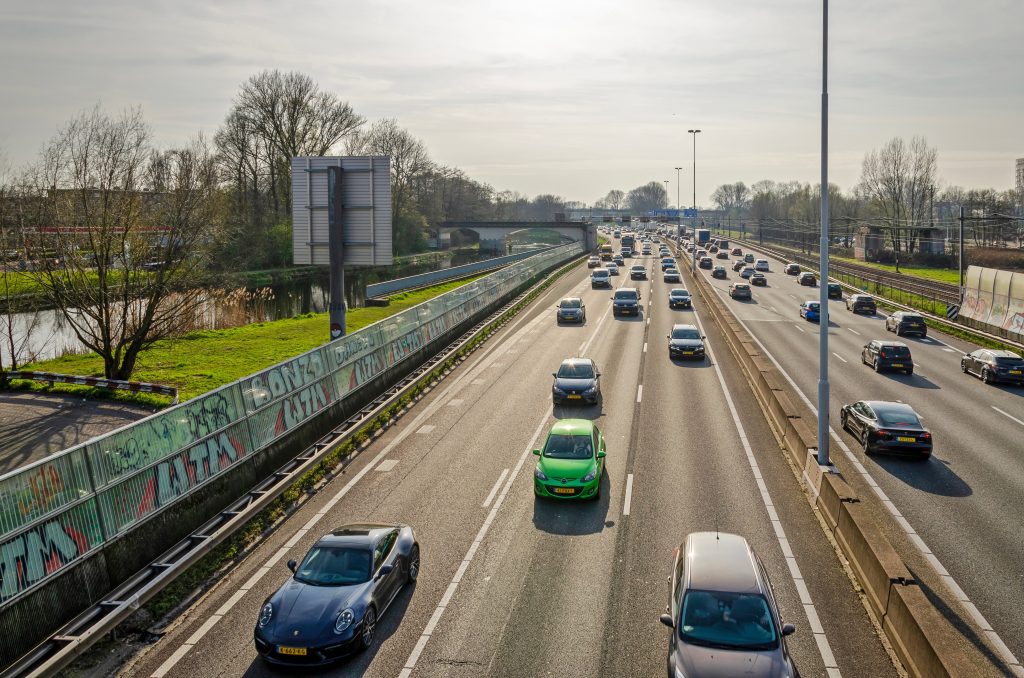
(201,361)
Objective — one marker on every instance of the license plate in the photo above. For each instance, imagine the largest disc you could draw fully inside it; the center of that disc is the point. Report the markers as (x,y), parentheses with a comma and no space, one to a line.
(687,352)
(575,397)
(1015,371)
(296,651)
(905,439)
(897,364)
(564,490)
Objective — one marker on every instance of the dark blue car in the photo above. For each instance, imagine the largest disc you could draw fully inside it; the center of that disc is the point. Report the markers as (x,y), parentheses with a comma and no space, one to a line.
(810,310)
(330,606)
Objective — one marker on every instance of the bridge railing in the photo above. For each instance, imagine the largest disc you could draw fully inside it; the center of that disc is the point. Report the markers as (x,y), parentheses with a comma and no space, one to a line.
(60,509)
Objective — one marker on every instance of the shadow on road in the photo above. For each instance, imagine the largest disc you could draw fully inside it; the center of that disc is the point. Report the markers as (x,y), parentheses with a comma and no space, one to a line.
(913,380)
(352,665)
(574,517)
(591,412)
(933,476)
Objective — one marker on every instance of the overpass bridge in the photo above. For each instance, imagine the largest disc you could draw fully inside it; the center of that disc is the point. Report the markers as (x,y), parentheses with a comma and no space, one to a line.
(493,234)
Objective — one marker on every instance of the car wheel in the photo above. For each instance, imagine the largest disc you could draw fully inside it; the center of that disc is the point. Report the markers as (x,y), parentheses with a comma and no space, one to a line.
(414,564)
(986,376)
(898,331)
(842,421)
(864,442)
(878,368)
(909,372)
(963,366)
(369,630)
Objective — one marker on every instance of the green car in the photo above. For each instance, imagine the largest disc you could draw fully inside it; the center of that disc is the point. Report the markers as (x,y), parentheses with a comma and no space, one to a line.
(572,461)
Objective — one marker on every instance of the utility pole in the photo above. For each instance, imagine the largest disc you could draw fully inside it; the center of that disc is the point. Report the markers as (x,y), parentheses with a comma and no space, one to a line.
(961,251)
(823,404)
(679,206)
(335,237)
(694,132)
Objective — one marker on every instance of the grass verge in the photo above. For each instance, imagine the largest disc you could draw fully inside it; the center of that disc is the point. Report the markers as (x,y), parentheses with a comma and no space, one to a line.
(203,360)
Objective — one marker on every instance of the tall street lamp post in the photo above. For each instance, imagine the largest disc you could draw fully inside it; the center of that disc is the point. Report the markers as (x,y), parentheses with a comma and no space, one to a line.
(823,404)
(694,132)
(679,207)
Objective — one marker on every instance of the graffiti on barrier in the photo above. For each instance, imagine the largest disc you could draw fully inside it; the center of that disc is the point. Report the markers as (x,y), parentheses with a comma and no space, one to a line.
(41,551)
(283,379)
(165,434)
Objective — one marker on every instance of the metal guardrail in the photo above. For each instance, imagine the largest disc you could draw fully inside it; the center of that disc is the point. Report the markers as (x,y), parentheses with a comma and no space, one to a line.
(60,509)
(82,632)
(98,382)
(441,275)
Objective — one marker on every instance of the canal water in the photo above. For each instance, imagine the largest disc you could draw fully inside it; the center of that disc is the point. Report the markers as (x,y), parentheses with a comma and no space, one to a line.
(45,334)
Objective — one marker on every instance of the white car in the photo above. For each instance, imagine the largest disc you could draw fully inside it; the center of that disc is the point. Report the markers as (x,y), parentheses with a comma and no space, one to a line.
(761,265)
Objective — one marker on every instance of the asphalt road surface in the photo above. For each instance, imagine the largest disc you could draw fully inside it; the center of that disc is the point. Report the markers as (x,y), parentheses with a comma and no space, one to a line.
(515,586)
(959,514)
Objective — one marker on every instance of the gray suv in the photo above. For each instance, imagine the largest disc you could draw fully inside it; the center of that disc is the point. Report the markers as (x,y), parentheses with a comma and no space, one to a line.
(722,612)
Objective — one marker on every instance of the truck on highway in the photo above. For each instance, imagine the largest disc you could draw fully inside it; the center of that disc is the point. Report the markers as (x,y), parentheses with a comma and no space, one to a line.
(628,241)
(606,252)
(703,235)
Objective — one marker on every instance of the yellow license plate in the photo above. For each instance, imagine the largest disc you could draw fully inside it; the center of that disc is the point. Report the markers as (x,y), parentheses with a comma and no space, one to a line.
(687,352)
(564,490)
(1014,371)
(897,364)
(297,651)
(905,439)
(575,397)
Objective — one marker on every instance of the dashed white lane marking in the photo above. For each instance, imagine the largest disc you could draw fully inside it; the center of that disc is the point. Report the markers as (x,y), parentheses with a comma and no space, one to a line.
(947,349)
(455,402)
(425,429)
(1007,415)
(387,465)
(645,347)
(800,328)
(414,657)
(824,648)
(478,382)
(494,490)
(854,331)
(955,589)
(629,495)
(639,392)
(648,318)
(840,357)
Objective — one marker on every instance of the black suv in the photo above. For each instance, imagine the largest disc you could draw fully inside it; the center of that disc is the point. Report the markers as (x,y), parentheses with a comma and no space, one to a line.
(902,323)
(626,301)
(887,355)
(861,303)
(835,291)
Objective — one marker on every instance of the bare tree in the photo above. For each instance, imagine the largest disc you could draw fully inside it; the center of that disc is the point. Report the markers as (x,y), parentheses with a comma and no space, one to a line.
(615,199)
(650,196)
(124,232)
(897,180)
(731,198)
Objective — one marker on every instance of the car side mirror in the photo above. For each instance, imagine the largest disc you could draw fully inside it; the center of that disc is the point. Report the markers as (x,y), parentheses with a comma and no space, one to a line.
(788,629)
(666,619)
(597,374)
(292,565)
(668,336)
(601,454)
(536,453)
(385,570)
(555,375)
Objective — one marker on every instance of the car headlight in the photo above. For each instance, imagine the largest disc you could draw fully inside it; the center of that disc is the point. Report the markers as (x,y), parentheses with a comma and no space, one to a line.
(539,475)
(265,614)
(592,389)
(344,620)
(555,389)
(590,476)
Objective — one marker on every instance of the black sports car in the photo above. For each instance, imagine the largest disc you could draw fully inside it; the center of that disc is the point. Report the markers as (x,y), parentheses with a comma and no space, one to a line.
(330,606)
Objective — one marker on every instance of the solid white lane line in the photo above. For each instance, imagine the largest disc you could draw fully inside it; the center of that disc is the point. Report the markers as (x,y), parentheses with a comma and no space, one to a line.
(824,648)
(428,631)
(1009,416)
(629,495)
(639,392)
(1008,656)
(597,330)
(840,357)
(494,490)
(854,331)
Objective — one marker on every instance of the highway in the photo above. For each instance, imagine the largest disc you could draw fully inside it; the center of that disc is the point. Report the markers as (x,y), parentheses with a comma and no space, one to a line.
(960,512)
(514,586)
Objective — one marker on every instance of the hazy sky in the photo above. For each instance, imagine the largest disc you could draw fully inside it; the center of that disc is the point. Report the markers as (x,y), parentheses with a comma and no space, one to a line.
(554,96)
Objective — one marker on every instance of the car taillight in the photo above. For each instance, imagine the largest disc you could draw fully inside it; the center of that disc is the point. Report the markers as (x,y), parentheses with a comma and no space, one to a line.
(881,354)
(926,436)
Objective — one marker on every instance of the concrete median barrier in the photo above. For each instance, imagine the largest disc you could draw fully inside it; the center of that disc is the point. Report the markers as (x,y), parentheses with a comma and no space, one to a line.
(924,640)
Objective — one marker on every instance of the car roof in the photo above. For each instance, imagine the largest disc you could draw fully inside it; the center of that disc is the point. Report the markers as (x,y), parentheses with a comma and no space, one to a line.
(683,326)
(1003,354)
(571,299)
(889,406)
(572,427)
(578,361)
(679,290)
(890,342)
(719,561)
(356,534)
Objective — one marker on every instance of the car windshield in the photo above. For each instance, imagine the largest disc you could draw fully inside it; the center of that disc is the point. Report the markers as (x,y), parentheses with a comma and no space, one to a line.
(624,295)
(813,306)
(897,418)
(568,447)
(685,333)
(912,319)
(679,293)
(727,620)
(334,566)
(570,303)
(576,371)
(740,287)
(671,270)
(896,350)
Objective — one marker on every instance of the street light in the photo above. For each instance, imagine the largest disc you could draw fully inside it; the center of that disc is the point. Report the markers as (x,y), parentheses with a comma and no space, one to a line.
(694,132)
(823,404)
(679,207)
